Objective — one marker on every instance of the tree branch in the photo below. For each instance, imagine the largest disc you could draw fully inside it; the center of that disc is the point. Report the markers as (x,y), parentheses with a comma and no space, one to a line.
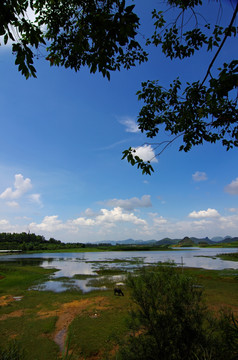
(221,46)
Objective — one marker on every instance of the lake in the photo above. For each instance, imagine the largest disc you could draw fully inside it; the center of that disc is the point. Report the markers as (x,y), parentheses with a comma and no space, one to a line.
(86,264)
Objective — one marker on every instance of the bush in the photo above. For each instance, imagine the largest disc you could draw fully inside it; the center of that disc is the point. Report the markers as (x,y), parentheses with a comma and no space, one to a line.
(170,321)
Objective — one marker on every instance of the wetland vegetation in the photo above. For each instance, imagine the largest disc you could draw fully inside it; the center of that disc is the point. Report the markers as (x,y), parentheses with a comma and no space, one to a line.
(40,324)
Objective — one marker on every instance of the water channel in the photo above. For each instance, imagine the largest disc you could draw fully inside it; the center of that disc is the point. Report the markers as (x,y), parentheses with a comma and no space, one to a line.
(69,266)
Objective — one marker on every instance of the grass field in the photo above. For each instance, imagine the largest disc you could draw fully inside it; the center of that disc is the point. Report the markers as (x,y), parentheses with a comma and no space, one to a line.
(93,324)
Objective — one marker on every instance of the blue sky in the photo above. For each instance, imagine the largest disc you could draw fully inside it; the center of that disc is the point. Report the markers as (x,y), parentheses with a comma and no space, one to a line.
(62,137)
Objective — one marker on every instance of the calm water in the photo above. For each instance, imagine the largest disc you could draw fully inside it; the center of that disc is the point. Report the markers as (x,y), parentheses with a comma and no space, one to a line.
(70,264)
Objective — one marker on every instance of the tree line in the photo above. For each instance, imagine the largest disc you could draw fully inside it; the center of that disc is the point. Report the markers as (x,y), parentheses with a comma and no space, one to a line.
(30,241)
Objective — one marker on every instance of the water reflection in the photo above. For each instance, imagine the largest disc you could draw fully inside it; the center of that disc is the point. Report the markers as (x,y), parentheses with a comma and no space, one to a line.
(22,261)
(68,265)
(60,286)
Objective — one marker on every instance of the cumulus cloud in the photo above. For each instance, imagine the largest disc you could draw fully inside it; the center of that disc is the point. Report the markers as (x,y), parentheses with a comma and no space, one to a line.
(21,190)
(6,226)
(209,213)
(158,221)
(117,215)
(35,198)
(130,204)
(232,188)
(82,221)
(199,176)
(4,222)
(145,152)
(21,186)
(118,224)
(202,222)
(130,124)
(49,223)
(12,204)
(105,220)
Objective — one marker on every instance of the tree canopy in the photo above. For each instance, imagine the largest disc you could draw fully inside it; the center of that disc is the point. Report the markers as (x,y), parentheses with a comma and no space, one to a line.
(200,111)
(72,33)
(103,36)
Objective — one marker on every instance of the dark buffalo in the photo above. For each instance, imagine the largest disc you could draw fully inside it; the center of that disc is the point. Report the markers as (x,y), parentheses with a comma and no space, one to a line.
(118,291)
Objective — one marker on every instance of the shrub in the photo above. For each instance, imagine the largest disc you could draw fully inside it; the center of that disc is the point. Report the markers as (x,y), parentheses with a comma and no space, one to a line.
(170,321)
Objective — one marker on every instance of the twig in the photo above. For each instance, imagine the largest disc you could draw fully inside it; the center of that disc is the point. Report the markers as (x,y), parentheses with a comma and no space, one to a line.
(221,46)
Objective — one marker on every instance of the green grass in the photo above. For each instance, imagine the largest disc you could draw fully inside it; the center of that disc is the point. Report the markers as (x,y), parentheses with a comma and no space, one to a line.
(32,335)
(11,351)
(230,257)
(69,250)
(96,334)
(89,335)
(220,287)
(16,278)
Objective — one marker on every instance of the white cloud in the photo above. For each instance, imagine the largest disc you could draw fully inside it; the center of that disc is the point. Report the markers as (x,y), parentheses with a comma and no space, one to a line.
(49,224)
(145,152)
(232,188)
(199,176)
(4,222)
(130,124)
(103,221)
(130,204)
(117,215)
(82,221)
(204,214)
(21,186)
(13,204)
(6,226)
(117,224)
(160,221)
(35,198)
(202,223)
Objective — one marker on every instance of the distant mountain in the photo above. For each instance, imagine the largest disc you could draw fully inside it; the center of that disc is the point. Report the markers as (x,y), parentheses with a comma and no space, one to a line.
(167,241)
(217,238)
(202,240)
(186,241)
(129,242)
(228,240)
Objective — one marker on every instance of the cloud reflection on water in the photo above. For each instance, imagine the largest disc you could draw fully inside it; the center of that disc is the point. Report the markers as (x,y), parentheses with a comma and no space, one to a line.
(70,264)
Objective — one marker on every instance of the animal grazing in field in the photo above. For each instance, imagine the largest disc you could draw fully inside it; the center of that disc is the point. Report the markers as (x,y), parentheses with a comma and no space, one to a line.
(118,291)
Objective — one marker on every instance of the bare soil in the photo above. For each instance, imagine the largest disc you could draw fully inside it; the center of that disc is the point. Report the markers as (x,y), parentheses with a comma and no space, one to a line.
(67,312)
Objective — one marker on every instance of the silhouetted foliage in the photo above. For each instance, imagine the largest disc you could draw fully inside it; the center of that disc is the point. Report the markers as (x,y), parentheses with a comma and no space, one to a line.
(72,33)
(102,35)
(196,112)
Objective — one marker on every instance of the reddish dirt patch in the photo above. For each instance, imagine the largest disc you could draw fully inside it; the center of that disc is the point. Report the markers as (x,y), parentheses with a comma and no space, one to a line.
(5,300)
(216,309)
(17,313)
(68,311)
